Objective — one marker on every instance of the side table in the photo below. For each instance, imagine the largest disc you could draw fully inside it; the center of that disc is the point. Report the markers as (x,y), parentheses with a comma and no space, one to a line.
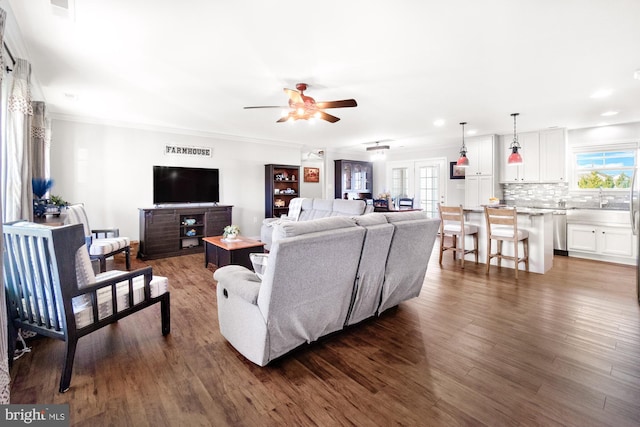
(219,252)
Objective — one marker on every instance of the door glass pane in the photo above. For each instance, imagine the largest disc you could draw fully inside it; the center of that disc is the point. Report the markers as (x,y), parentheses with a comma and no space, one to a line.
(428,189)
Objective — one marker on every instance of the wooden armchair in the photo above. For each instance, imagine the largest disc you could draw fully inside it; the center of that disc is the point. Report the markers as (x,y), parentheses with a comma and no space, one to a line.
(102,243)
(51,288)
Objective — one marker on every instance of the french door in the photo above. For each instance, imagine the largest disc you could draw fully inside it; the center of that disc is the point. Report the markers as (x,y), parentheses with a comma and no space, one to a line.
(423,180)
(430,185)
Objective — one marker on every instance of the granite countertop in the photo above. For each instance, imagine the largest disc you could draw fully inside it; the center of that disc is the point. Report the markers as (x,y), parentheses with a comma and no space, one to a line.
(520,211)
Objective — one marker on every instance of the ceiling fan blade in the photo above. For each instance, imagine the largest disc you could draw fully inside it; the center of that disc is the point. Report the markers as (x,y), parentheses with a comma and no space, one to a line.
(337,104)
(294,96)
(328,117)
(265,106)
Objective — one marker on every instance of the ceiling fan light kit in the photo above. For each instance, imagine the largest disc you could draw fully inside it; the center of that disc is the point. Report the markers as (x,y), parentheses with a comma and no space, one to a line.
(303,107)
(514,158)
(463,160)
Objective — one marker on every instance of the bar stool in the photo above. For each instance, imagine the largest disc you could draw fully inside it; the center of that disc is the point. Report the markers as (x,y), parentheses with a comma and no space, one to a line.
(452,224)
(502,225)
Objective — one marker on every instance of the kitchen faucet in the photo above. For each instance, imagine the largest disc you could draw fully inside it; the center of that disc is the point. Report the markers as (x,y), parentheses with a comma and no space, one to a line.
(603,201)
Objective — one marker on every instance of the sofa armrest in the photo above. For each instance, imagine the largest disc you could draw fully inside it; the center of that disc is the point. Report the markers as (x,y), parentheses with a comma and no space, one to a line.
(239,281)
(270,222)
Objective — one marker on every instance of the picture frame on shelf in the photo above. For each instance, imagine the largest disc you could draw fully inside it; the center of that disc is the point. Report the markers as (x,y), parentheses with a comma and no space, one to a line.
(456,172)
(311,174)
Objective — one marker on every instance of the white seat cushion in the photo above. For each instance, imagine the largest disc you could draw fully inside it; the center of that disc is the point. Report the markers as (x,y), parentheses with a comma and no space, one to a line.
(83,308)
(503,231)
(455,228)
(108,245)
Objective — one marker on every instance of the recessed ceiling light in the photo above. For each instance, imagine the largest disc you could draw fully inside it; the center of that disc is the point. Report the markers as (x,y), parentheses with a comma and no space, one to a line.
(636,75)
(602,93)
(472,132)
(439,122)
(609,113)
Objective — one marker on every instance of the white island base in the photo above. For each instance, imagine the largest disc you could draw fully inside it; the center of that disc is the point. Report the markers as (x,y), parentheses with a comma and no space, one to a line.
(538,223)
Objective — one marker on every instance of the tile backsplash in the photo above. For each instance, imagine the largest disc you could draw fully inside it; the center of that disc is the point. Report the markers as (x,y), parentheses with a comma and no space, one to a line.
(553,194)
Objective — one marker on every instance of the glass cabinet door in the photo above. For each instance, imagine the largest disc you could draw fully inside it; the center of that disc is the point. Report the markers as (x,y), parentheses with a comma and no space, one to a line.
(346,176)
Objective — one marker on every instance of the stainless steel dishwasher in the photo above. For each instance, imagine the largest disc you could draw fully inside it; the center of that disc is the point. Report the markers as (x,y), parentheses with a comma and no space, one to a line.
(560,232)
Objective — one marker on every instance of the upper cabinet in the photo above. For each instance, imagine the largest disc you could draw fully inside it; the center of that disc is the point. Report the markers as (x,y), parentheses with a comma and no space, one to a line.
(529,170)
(354,178)
(482,155)
(543,157)
(553,166)
(481,180)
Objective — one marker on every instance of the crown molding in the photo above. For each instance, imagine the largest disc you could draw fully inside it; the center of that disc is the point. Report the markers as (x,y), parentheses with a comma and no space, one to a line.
(172,130)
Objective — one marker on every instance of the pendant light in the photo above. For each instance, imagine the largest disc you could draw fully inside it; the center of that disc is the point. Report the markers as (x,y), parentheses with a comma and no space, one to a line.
(463,161)
(378,151)
(514,158)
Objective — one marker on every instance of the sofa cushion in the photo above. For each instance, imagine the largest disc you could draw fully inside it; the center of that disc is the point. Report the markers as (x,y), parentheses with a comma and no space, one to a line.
(84,269)
(405,216)
(315,208)
(348,207)
(297,228)
(371,219)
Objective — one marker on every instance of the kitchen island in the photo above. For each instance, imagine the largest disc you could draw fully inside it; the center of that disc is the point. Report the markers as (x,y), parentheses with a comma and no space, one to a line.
(539,224)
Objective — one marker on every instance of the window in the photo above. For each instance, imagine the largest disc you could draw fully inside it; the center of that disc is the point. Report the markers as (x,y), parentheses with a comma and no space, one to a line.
(607,169)
(399,182)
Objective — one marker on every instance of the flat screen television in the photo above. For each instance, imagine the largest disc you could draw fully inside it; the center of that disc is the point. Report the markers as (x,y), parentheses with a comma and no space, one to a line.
(172,184)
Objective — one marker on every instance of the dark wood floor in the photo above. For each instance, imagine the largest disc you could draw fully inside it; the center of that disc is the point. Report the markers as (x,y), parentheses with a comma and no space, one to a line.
(556,349)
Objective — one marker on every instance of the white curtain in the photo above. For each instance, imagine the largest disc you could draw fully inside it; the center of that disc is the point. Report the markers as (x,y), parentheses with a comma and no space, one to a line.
(5,378)
(16,150)
(39,149)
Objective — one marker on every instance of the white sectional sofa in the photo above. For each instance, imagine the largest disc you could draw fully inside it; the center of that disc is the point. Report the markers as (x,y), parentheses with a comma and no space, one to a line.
(304,209)
(321,276)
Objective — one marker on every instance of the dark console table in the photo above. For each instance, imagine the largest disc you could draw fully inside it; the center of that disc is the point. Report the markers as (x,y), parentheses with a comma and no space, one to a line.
(174,231)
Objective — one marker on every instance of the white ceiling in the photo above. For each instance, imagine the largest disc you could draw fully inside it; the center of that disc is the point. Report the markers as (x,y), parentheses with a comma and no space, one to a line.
(194,65)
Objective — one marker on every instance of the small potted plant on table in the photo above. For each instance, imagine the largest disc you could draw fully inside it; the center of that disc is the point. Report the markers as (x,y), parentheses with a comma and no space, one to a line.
(231,232)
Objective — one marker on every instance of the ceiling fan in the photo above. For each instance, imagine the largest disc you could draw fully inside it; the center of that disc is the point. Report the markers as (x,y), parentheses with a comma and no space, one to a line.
(305,107)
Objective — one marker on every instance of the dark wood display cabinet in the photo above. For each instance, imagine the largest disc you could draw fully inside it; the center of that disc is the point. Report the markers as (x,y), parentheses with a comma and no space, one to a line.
(281,184)
(354,178)
(166,232)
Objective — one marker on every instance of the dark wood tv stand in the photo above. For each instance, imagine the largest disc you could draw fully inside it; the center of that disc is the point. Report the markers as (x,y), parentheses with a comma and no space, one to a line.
(174,231)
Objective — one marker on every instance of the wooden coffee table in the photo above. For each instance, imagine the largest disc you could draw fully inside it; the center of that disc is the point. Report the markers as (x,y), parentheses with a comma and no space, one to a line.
(218,252)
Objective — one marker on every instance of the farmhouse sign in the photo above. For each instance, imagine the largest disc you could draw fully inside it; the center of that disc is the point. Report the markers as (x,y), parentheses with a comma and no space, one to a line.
(187,151)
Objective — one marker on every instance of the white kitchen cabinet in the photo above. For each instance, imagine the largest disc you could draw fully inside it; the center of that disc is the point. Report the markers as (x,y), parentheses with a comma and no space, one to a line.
(481,182)
(543,155)
(581,238)
(615,241)
(553,155)
(479,189)
(481,152)
(529,170)
(606,243)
